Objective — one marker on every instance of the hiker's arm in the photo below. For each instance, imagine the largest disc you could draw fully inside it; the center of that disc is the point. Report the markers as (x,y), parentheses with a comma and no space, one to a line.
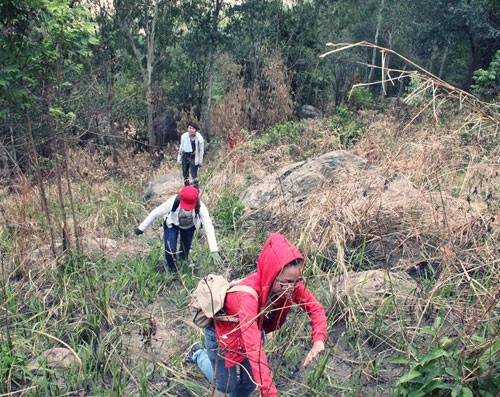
(317,348)
(316,312)
(161,210)
(208,227)
(251,336)
(201,148)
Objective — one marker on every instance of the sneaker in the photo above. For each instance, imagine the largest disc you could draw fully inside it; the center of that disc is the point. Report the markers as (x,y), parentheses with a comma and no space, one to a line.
(188,359)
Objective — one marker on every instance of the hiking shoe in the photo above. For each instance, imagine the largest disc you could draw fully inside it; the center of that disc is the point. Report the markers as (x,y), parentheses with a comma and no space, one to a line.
(188,359)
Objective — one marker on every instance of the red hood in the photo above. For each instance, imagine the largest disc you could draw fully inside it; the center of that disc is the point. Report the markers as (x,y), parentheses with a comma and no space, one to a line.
(275,255)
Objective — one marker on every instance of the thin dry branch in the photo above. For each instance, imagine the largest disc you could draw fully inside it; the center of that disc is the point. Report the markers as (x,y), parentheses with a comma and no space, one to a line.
(439,88)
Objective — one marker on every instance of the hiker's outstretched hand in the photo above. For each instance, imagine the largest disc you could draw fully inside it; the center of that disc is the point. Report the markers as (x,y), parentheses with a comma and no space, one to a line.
(317,348)
(138,231)
(216,259)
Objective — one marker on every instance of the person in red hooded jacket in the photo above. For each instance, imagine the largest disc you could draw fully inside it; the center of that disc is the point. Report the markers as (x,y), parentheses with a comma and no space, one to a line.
(278,282)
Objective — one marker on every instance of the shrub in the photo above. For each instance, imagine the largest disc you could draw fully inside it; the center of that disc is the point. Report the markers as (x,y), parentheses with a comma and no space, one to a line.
(349,130)
(487,82)
(277,135)
(447,366)
(361,98)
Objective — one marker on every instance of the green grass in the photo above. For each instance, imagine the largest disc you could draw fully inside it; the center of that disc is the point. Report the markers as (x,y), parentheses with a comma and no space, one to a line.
(101,306)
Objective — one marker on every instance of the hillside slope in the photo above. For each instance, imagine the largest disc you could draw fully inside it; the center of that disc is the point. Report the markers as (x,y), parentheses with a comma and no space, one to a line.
(126,322)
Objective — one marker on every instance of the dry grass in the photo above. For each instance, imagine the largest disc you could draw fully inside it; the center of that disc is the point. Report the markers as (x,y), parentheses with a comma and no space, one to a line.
(253,105)
(425,197)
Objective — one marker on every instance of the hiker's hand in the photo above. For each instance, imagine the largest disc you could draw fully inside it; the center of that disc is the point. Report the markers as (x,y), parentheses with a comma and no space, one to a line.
(317,348)
(138,231)
(216,259)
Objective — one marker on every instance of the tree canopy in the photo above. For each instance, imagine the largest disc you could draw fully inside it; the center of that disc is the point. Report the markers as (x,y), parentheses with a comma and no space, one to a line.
(115,64)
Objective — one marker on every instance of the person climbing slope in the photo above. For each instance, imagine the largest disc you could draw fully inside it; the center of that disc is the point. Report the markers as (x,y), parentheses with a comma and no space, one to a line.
(182,215)
(233,346)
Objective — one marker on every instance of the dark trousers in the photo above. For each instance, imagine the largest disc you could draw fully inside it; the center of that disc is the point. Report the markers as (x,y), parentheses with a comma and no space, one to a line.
(170,237)
(188,166)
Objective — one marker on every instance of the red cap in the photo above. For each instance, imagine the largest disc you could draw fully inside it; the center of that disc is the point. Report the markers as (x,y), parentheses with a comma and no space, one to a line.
(189,198)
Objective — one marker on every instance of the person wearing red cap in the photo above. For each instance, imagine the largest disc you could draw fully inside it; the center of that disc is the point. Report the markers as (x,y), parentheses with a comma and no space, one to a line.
(232,346)
(182,219)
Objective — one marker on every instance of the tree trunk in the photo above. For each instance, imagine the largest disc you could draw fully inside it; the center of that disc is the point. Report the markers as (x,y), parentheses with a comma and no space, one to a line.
(211,68)
(443,61)
(377,33)
(39,180)
(146,73)
(66,243)
(207,118)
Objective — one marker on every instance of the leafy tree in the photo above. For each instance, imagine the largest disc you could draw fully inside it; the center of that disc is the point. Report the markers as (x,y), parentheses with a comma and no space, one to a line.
(478,23)
(452,38)
(253,29)
(200,46)
(43,44)
(487,82)
(151,29)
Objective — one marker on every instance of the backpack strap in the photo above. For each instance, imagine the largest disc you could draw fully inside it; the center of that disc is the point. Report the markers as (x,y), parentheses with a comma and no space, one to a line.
(244,288)
(178,200)
(238,288)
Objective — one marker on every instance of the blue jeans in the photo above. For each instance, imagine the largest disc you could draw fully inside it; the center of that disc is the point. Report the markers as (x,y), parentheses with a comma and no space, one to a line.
(226,379)
(170,236)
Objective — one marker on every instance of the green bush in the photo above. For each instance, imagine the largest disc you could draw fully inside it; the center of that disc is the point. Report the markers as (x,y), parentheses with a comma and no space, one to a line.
(349,130)
(417,92)
(487,82)
(277,135)
(361,98)
(446,366)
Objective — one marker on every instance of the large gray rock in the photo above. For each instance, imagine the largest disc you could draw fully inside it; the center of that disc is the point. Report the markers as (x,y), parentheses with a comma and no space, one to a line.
(161,188)
(338,201)
(381,302)
(293,184)
(371,289)
(309,112)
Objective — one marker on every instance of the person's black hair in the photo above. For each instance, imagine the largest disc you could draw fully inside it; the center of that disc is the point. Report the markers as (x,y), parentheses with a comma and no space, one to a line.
(295,262)
(193,124)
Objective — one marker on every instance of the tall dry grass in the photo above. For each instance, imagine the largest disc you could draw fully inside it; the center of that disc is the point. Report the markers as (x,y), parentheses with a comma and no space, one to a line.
(426,204)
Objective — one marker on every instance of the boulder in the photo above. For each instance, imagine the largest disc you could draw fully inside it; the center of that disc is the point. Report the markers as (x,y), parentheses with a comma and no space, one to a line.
(369,290)
(309,112)
(296,182)
(161,188)
(380,302)
(339,201)
(57,357)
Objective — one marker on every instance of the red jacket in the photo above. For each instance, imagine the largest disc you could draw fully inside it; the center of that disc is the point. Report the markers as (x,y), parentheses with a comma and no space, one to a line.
(244,339)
